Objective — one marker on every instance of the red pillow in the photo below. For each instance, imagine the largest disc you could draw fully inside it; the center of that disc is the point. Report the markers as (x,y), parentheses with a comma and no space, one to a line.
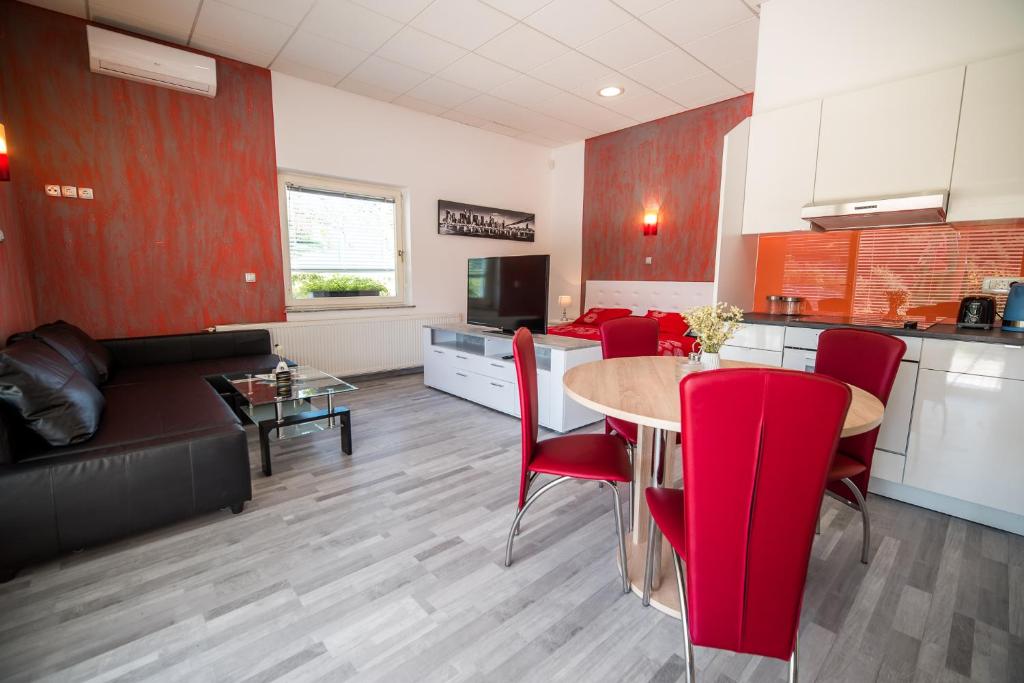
(669,322)
(596,316)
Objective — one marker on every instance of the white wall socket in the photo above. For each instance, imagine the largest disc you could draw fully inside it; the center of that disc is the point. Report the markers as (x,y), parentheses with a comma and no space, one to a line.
(69,191)
(994,285)
(85,193)
(250,277)
(53,190)
(648,260)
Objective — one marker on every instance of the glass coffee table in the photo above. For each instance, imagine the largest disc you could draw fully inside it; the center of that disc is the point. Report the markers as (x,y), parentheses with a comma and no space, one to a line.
(291,413)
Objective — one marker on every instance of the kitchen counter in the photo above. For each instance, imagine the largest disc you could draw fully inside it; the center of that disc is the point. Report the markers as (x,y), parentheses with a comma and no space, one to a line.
(938,331)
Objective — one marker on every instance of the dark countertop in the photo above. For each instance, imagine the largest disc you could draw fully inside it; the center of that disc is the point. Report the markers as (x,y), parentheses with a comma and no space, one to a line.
(939,331)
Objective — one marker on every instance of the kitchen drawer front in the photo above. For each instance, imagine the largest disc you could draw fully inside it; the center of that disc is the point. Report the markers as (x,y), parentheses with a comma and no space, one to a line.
(799,359)
(807,338)
(496,393)
(495,367)
(974,358)
(888,466)
(966,440)
(760,356)
(767,337)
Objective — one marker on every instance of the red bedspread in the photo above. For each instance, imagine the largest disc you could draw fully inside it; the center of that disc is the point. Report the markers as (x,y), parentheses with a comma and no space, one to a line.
(668,344)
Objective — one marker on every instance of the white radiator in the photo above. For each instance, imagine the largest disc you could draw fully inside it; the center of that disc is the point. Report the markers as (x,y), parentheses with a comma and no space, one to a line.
(353,346)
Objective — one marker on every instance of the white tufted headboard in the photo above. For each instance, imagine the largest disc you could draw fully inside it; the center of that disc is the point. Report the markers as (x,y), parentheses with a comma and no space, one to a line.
(639,295)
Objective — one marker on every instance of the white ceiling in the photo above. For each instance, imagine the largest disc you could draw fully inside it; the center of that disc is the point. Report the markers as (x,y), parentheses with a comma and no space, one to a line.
(530,69)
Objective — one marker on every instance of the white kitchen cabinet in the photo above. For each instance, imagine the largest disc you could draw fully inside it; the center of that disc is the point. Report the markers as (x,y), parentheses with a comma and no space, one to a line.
(893,139)
(988,171)
(754,336)
(759,356)
(966,439)
(781,158)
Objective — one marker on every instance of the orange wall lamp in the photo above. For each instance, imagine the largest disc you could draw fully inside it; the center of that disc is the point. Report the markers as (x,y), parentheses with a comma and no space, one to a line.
(5,168)
(650,223)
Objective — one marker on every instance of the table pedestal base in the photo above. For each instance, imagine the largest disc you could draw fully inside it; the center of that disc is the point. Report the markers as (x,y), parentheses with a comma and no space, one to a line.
(664,596)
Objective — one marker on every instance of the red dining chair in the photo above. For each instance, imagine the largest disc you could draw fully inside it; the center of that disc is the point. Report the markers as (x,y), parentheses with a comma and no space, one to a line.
(757,445)
(869,361)
(593,457)
(624,338)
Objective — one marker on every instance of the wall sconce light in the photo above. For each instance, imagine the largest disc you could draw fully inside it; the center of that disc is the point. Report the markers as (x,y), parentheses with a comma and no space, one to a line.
(650,223)
(564,301)
(5,168)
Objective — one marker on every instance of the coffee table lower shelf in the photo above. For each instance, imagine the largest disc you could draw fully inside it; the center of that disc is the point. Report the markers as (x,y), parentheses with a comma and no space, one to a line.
(324,419)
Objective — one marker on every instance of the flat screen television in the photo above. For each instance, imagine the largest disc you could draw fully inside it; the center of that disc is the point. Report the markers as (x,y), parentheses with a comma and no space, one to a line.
(508,292)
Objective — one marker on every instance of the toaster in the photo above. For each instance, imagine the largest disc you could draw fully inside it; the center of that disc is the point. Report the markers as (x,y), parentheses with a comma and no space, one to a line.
(1013,314)
(977,312)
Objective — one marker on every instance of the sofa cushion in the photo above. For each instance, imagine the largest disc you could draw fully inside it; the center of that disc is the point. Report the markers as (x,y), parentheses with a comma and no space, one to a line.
(56,402)
(86,355)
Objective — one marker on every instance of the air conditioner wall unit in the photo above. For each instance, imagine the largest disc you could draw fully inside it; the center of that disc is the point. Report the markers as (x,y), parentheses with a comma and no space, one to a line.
(121,56)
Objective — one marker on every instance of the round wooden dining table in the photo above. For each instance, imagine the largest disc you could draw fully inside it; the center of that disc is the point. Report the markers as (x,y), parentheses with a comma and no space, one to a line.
(645,390)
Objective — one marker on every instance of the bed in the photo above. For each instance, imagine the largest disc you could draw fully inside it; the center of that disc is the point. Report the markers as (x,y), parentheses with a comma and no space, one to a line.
(621,298)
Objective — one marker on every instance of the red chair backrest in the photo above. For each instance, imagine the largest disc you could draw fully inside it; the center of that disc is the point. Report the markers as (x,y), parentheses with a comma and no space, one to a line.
(526,377)
(757,447)
(869,361)
(632,336)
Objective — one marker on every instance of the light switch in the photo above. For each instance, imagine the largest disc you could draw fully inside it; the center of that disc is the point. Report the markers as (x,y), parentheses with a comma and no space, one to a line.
(649,260)
(53,190)
(69,191)
(250,277)
(85,193)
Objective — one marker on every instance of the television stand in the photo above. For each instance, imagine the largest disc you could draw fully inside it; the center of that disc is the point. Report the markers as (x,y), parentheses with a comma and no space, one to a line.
(475,363)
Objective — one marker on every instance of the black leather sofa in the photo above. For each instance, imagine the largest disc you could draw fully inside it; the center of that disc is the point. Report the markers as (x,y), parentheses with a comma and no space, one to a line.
(168,446)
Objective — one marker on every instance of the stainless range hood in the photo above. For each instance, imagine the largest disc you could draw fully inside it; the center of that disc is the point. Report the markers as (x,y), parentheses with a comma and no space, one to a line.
(892,212)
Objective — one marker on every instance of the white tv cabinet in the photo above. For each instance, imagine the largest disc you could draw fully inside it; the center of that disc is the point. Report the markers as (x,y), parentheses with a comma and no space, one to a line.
(470,362)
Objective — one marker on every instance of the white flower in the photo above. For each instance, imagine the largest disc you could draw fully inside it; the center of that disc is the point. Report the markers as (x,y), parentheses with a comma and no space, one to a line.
(714,324)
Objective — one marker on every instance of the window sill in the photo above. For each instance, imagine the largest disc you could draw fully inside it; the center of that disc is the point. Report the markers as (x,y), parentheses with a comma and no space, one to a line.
(299,310)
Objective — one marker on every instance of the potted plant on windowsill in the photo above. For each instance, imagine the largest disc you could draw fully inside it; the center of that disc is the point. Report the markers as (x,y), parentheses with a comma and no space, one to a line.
(714,325)
(316,285)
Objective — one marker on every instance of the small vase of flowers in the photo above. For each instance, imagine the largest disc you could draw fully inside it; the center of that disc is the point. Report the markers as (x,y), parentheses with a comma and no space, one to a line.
(714,325)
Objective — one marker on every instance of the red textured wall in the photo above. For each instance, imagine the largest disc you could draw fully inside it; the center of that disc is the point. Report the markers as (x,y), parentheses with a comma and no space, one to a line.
(185,187)
(673,164)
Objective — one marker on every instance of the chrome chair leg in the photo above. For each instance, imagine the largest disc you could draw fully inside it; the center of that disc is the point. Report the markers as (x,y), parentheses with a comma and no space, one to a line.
(793,675)
(519,515)
(622,537)
(632,489)
(529,482)
(652,529)
(817,523)
(863,507)
(684,617)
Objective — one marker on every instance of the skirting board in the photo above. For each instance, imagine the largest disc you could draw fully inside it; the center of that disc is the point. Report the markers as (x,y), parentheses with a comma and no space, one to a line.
(641,295)
(997,519)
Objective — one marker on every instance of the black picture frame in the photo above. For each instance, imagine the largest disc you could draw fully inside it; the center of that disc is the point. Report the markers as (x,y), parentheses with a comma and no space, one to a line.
(471,220)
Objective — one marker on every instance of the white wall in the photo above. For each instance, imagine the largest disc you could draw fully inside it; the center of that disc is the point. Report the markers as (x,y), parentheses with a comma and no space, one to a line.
(810,48)
(567,223)
(325,131)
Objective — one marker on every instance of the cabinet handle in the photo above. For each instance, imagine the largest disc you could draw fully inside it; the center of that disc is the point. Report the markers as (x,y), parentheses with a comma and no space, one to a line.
(497,365)
(495,384)
(461,374)
(440,352)
(460,357)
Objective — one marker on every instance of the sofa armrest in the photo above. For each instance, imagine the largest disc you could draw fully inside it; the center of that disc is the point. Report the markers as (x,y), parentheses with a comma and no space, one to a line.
(182,348)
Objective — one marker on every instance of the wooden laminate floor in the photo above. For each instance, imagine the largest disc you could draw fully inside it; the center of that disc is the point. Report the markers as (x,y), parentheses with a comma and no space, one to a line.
(387,566)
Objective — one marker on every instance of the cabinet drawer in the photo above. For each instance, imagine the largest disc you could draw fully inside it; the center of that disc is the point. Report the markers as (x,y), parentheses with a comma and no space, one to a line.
(496,393)
(973,358)
(802,337)
(770,358)
(767,337)
(495,367)
(888,466)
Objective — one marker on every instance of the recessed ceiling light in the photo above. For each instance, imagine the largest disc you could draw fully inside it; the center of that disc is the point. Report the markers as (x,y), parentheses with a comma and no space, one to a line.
(610,91)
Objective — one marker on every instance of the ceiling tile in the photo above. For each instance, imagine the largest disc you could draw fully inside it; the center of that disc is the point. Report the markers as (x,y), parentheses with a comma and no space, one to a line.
(754,5)
(735,43)
(235,33)
(391,76)
(535,139)
(399,10)
(465,117)
(526,91)
(324,60)
(740,73)
(576,21)
(682,21)
(645,106)
(522,48)
(562,131)
(443,93)
(579,111)
(571,71)
(416,48)
(696,92)
(350,24)
(502,129)
(480,73)
(639,7)
(168,19)
(354,85)
(626,45)
(517,8)
(290,12)
(668,67)
(467,23)
(75,8)
(419,105)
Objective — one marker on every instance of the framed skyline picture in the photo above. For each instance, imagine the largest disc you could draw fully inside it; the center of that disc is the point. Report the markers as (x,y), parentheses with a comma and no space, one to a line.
(470,220)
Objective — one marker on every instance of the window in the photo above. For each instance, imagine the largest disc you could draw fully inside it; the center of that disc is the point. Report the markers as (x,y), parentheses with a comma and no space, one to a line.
(342,244)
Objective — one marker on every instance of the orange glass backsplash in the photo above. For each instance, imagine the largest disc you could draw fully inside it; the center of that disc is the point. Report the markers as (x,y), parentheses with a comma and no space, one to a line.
(915,271)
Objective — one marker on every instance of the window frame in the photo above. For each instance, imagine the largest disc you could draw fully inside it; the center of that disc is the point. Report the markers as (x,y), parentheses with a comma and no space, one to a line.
(328,184)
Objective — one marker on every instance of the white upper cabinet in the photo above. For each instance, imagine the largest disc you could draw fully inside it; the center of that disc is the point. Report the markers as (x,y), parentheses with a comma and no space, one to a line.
(988,172)
(889,140)
(781,158)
